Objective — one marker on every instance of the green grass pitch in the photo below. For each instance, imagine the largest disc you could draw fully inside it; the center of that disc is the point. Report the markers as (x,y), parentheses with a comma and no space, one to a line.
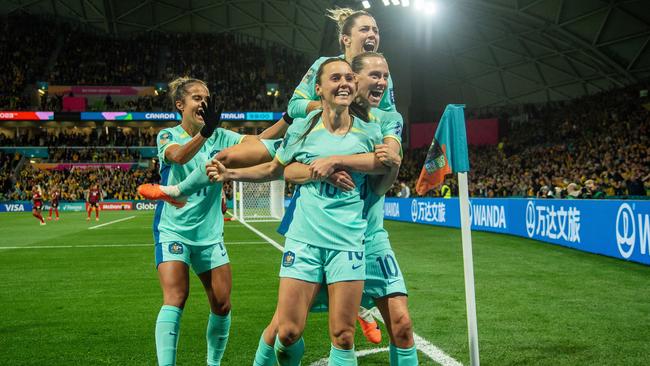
(74,296)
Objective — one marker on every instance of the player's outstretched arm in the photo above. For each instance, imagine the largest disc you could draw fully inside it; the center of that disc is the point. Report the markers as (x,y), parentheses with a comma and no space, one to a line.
(251,151)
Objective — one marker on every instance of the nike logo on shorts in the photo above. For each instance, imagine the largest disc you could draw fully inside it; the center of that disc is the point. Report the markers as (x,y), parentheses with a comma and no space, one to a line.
(356,266)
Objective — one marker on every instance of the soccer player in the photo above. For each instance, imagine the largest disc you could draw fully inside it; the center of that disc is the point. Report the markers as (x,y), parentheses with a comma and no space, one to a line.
(358,33)
(93,196)
(37,199)
(55,195)
(328,249)
(193,234)
(384,284)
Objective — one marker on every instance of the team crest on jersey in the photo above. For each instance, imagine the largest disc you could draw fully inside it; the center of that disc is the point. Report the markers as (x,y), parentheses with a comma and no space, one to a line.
(176,248)
(288,258)
(165,138)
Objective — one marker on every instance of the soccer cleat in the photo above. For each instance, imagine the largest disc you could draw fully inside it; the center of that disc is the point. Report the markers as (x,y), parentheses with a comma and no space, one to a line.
(96,218)
(88,218)
(370,330)
(57,219)
(42,223)
(153,192)
(49,218)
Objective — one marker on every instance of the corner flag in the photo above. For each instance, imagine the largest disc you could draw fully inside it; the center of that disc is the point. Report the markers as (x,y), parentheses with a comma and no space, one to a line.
(448,154)
(448,151)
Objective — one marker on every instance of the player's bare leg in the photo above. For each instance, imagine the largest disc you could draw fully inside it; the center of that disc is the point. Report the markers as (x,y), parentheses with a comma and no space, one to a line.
(37,214)
(344,300)
(394,310)
(294,300)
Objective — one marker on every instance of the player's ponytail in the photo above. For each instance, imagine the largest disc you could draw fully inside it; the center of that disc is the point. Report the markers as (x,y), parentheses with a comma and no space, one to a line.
(178,88)
(345,18)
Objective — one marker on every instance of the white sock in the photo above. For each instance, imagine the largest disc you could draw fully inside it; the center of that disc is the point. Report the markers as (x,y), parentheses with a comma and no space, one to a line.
(171,191)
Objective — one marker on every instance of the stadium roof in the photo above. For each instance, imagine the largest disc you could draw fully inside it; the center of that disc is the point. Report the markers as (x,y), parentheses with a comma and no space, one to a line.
(490,51)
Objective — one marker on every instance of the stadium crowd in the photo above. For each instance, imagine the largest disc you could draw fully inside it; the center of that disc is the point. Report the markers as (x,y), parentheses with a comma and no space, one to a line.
(590,147)
(77,137)
(79,56)
(115,183)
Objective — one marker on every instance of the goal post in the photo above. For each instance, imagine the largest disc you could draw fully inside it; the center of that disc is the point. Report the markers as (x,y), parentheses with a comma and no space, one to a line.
(258,202)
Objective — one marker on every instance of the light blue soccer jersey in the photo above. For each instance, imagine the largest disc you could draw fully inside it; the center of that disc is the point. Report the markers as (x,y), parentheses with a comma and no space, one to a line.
(306,92)
(325,216)
(376,237)
(200,221)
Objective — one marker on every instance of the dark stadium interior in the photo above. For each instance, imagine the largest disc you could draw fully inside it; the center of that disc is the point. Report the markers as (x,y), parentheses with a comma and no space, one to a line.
(557,107)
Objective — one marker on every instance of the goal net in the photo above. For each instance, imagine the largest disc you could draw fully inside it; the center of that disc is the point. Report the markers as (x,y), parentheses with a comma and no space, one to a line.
(258,201)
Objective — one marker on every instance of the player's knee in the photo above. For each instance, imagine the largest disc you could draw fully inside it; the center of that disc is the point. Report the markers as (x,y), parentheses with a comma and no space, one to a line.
(221,307)
(402,328)
(289,334)
(176,297)
(343,338)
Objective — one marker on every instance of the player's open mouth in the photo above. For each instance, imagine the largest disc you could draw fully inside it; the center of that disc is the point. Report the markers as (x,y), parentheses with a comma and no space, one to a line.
(343,93)
(369,45)
(375,95)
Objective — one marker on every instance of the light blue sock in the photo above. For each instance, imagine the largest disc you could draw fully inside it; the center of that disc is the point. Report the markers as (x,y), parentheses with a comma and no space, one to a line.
(403,356)
(217,337)
(289,355)
(265,354)
(194,182)
(167,325)
(342,357)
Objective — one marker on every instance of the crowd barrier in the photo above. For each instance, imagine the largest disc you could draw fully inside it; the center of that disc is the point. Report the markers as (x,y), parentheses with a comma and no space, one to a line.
(107,205)
(615,228)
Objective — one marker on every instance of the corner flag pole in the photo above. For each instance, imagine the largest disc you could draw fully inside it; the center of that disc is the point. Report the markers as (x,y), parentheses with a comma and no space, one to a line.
(468,264)
(448,154)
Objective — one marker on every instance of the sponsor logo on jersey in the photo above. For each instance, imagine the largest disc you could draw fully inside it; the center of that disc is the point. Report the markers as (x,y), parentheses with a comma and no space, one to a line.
(288,258)
(176,248)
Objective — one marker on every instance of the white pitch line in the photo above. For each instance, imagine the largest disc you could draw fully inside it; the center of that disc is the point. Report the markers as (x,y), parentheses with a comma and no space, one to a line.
(364,352)
(261,235)
(110,222)
(115,245)
(424,346)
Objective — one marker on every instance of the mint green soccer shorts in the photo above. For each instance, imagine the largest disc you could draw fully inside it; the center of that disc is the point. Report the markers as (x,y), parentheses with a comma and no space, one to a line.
(314,264)
(201,258)
(383,277)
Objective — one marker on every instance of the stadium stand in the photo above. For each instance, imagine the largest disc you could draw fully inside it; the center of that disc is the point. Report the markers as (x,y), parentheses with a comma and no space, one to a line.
(601,137)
